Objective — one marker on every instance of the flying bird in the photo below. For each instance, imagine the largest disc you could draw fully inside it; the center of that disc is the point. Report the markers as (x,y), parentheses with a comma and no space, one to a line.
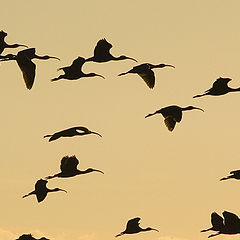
(145,72)
(234,174)
(102,53)
(24,61)
(41,190)
(4,45)
(219,87)
(229,225)
(133,227)
(68,168)
(172,114)
(70,132)
(74,71)
(30,237)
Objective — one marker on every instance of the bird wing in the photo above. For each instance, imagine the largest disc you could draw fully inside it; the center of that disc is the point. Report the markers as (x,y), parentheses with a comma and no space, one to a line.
(149,77)
(69,163)
(28,69)
(40,184)
(230,219)
(133,222)
(170,123)
(220,83)
(102,48)
(40,189)
(217,221)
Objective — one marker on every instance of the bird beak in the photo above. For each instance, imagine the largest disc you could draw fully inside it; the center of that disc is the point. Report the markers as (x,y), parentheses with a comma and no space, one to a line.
(132,59)
(62,190)
(96,170)
(199,109)
(100,76)
(55,58)
(21,45)
(97,134)
(154,229)
(167,65)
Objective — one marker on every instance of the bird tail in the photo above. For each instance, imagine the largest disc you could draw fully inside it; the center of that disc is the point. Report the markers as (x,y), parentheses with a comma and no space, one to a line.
(213,235)
(205,230)
(28,194)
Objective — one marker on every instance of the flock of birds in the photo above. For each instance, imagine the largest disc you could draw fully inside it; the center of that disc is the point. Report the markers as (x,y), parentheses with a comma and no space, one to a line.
(229,224)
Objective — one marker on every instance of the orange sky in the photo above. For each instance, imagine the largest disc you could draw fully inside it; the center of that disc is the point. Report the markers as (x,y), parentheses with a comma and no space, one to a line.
(170,180)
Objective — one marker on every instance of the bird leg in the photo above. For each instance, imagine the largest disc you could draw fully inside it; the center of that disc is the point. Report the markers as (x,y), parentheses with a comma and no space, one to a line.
(31,193)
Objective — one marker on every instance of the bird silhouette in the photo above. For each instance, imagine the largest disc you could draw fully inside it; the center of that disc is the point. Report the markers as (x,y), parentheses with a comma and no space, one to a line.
(74,71)
(24,61)
(145,72)
(102,53)
(30,237)
(70,132)
(68,168)
(172,114)
(41,190)
(4,45)
(234,174)
(229,225)
(219,87)
(133,227)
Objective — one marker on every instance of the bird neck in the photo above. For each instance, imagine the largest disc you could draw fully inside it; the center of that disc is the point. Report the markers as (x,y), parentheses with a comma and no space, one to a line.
(42,57)
(53,190)
(234,89)
(84,171)
(187,108)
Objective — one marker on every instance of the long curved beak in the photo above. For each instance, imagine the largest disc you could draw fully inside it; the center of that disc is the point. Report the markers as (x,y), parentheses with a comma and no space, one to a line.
(55,58)
(97,134)
(100,76)
(199,109)
(96,170)
(167,65)
(155,229)
(62,190)
(132,59)
(21,45)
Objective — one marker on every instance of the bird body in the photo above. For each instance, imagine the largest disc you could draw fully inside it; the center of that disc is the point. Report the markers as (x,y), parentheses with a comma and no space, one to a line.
(219,87)
(102,53)
(133,227)
(70,132)
(41,190)
(30,237)
(74,71)
(24,61)
(4,45)
(229,224)
(145,72)
(68,168)
(234,174)
(172,114)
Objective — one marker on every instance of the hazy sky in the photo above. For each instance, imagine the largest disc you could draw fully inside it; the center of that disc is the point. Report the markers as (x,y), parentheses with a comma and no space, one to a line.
(170,180)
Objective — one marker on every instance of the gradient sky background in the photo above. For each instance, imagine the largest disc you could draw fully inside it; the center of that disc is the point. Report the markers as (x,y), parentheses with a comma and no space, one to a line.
(170,180)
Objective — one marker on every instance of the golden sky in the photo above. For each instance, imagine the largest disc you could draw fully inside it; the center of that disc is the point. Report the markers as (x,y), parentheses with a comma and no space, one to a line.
(170,180)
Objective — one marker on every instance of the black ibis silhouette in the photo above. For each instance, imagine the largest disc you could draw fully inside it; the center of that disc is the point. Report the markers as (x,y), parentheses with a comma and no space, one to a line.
(229,225)
(30,237)
(24,61)
(172,114)
(133,227)
(70,132)
(234,174)
(4,45)
(68,168)
(41,190)
(219,87)
(102,53)
(145,72)
(74,71)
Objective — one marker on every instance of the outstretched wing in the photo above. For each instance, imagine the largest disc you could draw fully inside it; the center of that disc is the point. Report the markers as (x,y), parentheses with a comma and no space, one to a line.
(149,77)
(102,48)
(235,172)
(69,164)
(133,222)
(27,67)
(40,184)
(220,83)
(230,219)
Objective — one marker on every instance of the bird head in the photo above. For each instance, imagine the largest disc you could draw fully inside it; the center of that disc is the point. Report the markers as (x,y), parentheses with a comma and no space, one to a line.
(150,229)
(94,170)
(123,57)
(59,189)
(48,57)
(96,133)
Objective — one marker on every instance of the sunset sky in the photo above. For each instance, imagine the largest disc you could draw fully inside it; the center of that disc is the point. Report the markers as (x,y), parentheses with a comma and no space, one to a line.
(169,179)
